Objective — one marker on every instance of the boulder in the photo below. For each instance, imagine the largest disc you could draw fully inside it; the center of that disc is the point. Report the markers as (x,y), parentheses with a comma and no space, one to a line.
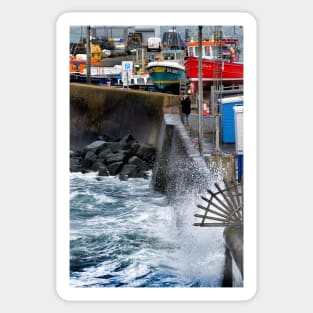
(104,153)
(77,153)
(76,164)
(85,171)
(103,171)
(109,155)
(89,159)
(114,146)
(147,153)
(115,157)
(97,164)
(130,171)
(114,168)
(126,141)
(131,151)
(96,146)
(142,166)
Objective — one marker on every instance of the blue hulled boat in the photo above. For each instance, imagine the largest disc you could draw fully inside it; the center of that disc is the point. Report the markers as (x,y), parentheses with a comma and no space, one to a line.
(167,71)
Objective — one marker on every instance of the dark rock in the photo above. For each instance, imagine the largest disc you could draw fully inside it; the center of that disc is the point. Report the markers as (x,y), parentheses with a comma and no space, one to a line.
(114,168)
(130,171)
(109,155)
(104,153)
(123,176)
(134,146)
(76,164)
(89,159)
(76,153)
(131,151)
(115,157)
(114,146)
(96,146)
(142,166)
(147,153)
(126,141)
(97,164)
(85,171)
(103,171)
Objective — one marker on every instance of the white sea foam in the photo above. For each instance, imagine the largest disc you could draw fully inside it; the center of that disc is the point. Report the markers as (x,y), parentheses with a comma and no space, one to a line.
(151,243)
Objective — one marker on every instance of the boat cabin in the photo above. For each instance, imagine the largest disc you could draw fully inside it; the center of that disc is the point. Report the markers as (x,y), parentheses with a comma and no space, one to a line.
(210,50)
(173,55)
(172,40)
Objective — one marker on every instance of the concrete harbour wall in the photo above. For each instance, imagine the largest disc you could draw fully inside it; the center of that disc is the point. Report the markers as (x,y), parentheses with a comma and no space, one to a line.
(153,118)
(233,238)
(96,109)
(179,163)
(182,174)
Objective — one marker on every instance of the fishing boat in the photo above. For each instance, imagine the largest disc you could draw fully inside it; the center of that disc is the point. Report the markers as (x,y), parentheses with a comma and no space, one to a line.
(219,62)
(172,39)
(77,67)
(98,74)
(167,71)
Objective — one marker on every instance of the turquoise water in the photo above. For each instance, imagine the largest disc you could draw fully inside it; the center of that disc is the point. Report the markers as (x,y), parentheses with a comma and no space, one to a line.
(124,234)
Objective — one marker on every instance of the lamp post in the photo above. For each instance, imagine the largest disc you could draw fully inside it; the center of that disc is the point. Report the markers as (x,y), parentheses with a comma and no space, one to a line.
(200,93)
(88,52)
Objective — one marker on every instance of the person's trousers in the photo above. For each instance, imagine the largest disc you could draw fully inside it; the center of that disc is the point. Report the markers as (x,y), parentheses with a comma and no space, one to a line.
(185,118)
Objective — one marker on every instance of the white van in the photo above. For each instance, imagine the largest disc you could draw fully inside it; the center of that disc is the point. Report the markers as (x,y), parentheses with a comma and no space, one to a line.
(154,44)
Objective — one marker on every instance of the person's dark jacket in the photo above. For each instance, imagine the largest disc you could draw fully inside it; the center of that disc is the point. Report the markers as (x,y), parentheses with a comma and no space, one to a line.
(186,105)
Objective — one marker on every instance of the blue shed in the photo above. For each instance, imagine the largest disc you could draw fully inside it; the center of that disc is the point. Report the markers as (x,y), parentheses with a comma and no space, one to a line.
(226,108)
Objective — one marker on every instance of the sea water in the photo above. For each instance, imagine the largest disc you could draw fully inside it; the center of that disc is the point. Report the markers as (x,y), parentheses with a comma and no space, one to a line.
(124,234)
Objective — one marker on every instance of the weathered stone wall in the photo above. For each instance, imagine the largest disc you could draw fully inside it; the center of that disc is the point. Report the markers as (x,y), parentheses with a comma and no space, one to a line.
(95,110)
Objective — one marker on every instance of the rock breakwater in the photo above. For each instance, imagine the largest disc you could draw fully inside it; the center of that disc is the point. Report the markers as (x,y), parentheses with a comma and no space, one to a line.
(111,156)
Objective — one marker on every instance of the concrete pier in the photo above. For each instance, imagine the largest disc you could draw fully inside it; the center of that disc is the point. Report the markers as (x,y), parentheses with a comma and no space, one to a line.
(233,237)
(154,118)
(97,109)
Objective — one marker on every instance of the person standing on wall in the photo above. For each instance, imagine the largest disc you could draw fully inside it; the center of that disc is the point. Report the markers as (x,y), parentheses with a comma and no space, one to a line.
(186,109)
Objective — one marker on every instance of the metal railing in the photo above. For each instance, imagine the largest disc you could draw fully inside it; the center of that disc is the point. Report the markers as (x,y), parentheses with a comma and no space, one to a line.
(224,206)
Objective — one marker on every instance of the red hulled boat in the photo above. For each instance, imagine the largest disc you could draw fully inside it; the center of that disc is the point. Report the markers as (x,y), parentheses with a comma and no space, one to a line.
(218,63)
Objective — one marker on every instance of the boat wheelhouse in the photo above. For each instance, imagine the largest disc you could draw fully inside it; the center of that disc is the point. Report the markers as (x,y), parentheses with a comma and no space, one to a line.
(219,62)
